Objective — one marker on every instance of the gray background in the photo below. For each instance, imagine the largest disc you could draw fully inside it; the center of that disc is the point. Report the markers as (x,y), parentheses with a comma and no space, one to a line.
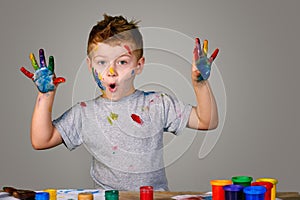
(258,64)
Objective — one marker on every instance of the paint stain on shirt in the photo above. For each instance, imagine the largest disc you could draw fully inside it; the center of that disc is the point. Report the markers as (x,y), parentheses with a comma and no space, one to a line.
(137,119)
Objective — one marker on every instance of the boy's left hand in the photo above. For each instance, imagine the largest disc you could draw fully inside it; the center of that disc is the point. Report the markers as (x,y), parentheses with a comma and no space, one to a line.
(44,76)
(202,64)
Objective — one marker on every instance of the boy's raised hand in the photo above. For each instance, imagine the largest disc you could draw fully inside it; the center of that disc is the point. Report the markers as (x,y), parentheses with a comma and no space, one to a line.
(44,76)
(201,63)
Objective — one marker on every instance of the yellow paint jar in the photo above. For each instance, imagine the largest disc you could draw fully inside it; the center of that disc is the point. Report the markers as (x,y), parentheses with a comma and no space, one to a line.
(274,182)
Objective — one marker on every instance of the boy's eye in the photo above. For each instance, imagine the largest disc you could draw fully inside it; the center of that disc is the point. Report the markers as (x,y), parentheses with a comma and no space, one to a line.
(101,62)
(122,62)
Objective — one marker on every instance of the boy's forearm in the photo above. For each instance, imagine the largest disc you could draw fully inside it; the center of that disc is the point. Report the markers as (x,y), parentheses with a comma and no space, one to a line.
(206,109)
(41,125)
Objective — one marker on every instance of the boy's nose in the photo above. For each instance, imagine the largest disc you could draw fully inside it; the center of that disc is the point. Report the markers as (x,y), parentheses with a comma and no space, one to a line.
(112,71)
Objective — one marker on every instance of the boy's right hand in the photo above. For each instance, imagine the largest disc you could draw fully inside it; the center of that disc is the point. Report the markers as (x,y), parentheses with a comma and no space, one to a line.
(43,77)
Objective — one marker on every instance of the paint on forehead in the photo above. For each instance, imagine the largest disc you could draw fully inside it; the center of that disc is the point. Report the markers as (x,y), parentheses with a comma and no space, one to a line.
(96,48)
(128,49)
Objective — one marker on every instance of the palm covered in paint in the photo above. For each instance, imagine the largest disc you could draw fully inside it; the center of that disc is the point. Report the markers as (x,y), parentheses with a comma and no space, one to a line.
(44,76)
(201,61)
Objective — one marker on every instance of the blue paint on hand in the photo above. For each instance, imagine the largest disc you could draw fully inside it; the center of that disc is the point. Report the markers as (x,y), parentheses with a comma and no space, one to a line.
(43,79)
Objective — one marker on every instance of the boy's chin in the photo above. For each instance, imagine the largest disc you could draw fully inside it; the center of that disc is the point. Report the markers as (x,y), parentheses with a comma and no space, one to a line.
(113,96)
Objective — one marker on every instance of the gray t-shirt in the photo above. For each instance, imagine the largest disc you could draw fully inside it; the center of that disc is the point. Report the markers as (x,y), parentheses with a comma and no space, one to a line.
(125,137)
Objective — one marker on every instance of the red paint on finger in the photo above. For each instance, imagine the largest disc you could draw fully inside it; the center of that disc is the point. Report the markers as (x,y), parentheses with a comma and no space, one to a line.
(27,73)
(196,54)
(59,80)
(214,55)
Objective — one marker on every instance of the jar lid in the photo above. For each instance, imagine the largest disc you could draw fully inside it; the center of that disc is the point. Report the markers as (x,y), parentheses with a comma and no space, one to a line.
(111,194)
(220,182)
(85,196)
(42,196)
(268,185)
(255,190)
(233,188)
(241,179)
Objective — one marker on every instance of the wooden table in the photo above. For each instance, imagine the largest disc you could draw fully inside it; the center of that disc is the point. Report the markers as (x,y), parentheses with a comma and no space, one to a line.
(167,195)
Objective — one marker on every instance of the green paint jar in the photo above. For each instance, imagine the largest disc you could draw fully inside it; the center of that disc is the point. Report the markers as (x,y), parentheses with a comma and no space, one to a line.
(112,195)
(242,180)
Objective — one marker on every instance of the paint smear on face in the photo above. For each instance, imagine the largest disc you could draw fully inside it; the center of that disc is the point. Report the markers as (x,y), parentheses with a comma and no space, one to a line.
(98,79)
(128,49)
(132,72)
(111,71)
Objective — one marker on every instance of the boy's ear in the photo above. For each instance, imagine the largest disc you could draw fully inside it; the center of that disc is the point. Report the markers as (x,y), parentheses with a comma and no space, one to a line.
(140,65)
(89,63)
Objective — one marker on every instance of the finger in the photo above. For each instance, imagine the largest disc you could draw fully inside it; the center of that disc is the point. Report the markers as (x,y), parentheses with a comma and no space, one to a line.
(33,62)
(51,63)
(205,47)
(26,72)
(59,80)
(197,50)
(214,55)
(42,58)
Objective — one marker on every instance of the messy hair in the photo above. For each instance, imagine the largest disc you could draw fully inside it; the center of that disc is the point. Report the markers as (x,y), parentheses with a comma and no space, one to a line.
(116,29)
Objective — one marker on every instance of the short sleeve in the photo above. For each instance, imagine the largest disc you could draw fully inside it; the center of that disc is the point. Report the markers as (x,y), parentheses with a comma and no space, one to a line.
(69,125)
(176,114)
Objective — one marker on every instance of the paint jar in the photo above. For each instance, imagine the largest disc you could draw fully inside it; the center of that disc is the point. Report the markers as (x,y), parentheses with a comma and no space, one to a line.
(217,188)
(242,180)
(273,181)
(85,196)
(233,192)
(52,193)
(146,193)
(254,192)
(267,185)
(42,196)
(112,195)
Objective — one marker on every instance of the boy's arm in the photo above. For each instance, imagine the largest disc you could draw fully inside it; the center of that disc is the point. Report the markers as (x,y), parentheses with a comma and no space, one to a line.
(205,115)
(43,134)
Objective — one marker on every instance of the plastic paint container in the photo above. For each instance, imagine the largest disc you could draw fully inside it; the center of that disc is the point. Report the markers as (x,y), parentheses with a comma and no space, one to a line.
(267,185)
(233,192)
(52,193)
(85,196)
(274,182)
(242,180)
(217,188)
(112,195)
(42,196)
(254,192)
(146,193)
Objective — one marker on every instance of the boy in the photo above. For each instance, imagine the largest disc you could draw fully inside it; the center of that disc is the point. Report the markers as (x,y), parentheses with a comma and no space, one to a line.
(122,128)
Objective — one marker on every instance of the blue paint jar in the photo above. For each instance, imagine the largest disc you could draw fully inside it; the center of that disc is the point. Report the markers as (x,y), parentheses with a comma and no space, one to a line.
(254,192)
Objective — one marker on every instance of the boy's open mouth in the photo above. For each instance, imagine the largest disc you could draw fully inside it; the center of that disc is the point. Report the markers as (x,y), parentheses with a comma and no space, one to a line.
(112,87)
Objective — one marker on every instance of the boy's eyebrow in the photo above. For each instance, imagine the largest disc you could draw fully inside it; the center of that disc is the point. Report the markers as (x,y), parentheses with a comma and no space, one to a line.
(124,54)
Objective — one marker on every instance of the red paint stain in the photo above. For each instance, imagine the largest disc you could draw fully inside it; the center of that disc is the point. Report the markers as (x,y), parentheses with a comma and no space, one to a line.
(137,119)
(83,104)
(128,49)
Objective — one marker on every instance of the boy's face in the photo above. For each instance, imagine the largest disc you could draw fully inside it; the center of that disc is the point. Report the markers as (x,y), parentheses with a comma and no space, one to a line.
(114,69)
